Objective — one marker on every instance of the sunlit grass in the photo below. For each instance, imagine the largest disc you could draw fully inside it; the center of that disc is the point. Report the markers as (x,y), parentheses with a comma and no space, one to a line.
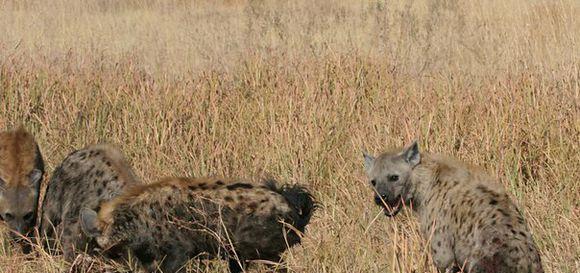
(298,90)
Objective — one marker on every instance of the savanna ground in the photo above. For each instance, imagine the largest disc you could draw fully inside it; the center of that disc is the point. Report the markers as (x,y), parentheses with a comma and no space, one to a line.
(298,89)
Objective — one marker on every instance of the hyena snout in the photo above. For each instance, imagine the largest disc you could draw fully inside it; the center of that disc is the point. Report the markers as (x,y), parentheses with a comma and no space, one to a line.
(19,226)
(391,204)
(380,199)
(387,200)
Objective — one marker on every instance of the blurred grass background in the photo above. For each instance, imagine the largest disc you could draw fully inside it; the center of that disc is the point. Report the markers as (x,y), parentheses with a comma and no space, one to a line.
(298,89)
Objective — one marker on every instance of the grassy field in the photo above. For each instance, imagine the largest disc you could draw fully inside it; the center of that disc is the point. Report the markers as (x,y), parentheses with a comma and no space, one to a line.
(298,89)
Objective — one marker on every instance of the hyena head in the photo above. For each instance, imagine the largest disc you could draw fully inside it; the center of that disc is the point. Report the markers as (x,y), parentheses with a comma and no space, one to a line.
(21,171)
(390,176)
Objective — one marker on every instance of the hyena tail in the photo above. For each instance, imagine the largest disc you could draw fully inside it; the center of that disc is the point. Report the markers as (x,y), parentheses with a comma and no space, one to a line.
(301,200)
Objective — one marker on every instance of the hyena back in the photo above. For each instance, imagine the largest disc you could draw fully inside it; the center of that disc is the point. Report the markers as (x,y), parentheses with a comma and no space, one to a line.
(166,223)
(86,178)
(472,223)
(21,172)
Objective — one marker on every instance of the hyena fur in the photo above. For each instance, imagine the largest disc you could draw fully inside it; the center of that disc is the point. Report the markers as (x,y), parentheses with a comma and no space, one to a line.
(166,223)
(21,172)
(471,222)
(85,179)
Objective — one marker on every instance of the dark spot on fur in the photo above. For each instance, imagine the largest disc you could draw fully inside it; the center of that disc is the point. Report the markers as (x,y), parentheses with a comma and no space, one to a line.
(228,199)
(73,165)
(503,212)
(108,163)
(219,183)
(493,202)
(115,178)
(264,200)
(253,205)
(239,186)
(439,243)
(100,173)
(99,191)
(203,186)
(143,253)
(523,234)
(192,188)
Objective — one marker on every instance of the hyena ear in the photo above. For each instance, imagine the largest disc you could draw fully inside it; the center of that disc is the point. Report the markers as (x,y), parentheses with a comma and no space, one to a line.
(35,177)
(369,162)
(411,154)
(89,225)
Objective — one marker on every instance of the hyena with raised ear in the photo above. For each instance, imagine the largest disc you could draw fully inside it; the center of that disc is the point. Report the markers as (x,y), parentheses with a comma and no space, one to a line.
(166,223)
(21,172)
(85,179)
(472,223)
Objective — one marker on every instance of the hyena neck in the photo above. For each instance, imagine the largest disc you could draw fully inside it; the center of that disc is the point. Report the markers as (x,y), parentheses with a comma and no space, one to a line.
(422,178)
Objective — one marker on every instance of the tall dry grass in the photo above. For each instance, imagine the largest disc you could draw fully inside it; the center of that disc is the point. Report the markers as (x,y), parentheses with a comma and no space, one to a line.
(298,89)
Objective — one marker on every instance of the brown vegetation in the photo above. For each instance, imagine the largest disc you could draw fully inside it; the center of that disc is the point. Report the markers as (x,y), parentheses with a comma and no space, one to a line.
(298,89)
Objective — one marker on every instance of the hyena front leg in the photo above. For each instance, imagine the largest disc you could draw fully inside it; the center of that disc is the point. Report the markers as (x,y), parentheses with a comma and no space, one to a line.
(443,253)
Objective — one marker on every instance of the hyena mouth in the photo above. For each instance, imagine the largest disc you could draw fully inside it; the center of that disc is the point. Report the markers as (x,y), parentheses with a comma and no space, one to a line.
(390,207)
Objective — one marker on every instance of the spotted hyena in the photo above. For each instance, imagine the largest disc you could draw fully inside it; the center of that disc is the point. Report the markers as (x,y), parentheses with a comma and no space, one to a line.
(166,223)
(470,220)
(85,179)
(21,172)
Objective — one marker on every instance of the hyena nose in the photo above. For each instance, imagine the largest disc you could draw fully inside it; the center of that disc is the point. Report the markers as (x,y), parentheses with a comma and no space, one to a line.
(380,199)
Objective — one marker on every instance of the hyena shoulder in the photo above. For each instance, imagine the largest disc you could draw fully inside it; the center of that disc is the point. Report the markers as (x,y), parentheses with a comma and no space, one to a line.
(86,178)
(487,225)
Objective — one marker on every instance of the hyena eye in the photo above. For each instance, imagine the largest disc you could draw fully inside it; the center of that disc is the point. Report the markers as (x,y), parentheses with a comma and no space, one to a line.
(28,217)
(374,182)
(8,216)
(393,178)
